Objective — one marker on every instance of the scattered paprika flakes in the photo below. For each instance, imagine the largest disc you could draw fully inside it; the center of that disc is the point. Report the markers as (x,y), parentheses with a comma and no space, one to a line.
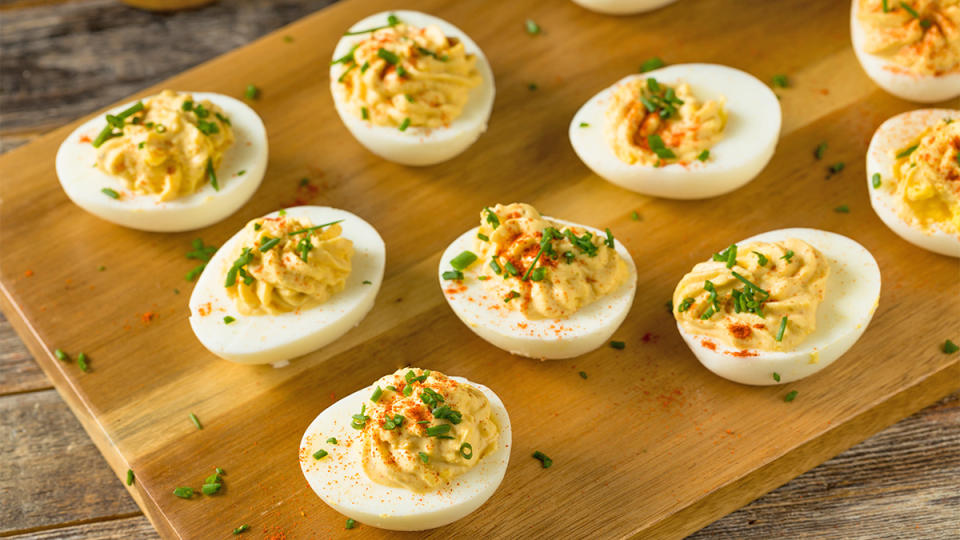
(709,344)
(741,354)
(28,273)
(650,338)
(148,317)
(85,139)
(740,330)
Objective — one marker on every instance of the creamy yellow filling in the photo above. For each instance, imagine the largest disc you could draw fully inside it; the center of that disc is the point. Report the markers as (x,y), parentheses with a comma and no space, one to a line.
(926,177)
(924,39)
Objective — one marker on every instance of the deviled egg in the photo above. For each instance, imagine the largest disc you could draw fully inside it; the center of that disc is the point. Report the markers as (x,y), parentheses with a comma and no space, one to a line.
(287,284)
(688,131)
(410,87)
(778,306)
(910,49)
(913,171)
(413,451)
(538,286)
(173,162)
(623,7)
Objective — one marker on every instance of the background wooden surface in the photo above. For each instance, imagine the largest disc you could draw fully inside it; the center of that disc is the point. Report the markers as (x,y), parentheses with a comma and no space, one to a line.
(900,482)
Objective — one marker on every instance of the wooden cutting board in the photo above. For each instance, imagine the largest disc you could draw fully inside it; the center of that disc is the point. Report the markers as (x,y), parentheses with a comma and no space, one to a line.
(650,444)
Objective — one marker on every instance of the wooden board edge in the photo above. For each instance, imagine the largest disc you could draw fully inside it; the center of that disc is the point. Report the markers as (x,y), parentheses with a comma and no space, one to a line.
(808,455)
(53,369)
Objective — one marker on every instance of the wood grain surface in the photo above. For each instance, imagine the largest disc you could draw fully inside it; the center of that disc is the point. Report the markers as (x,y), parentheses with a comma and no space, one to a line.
(810,116)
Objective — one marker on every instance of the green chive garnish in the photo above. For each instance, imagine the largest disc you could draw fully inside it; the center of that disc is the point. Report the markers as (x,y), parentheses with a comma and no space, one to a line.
(228,319)
(532,86)
(761,258)
(584,124)
(210,489)
(367,282)
(110,193)
(212,175)
(907,151)
(783,326)
(483,237)
(583,374)
(780,81)
(320,454)
(466,450)
(790,396)
(376,395)
(511,296)
(875,181)
(129,477)
(545,462)
(388,56)
(195,420)
(350,524)
(241,529)
(842,209)
(252,92)
(311,229)
(463,260)
(60,355)
(532,27)
(836,167)
(684,305)
(405,124)
(635,216)
(183,492)
(788,255)
(452,275)
(949,347)
(705,155)
(82,362)
(776,376)
(492,218)
(332,440)
(619,345)
(910,10)
(651,64)
(820,149)
(267,243)
(424,457)
(440,429)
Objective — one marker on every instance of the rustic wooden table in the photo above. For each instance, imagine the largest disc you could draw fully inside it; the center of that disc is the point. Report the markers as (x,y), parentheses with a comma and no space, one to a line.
(61,59)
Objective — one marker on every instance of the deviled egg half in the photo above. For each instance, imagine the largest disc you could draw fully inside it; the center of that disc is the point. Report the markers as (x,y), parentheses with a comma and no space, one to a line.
(910,49)
(538,286)
(413,451)
(623,7)
(688,131)
(175,161)
(287,284)
(779,306)
(913,176)
(410,87)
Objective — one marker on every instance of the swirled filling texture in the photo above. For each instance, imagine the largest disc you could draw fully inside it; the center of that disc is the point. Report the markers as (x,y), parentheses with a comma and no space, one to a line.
(297,270)
(407,74)
(927,178)
(792,273)
(924,39)
(167,148)
(404,442)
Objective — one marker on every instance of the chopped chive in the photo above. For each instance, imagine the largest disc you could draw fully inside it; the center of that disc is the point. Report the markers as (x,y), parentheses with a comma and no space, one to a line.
(906,7)
(635,216)
(492,218)
(708,313)
(183,492)
(788,255)
(129,477)
(364,67)
(220,471)
(496,266)
(409,97)
(376,394)
(320,454)
(538,274)
(761,258)
(684,305)
(584,124)
(407,390)
(820,150)
(367,282)
(463,260)
(101,268)
(401,71)
(545,462)
(241,529)
(886,7)
(228,319)
(110,193)
(705,155)
(452,275)
(619,345)
(790,396)
(212,175)
(405,124)
(60,355)
(440,429)
(780,81)
(875,181)
(424,457)
(210,489)
(532,27)
(267,243)
(776,376)
(252,92)
(907,151)
(311,229)
(141,144)
(609,239)
(511,296)
(388,56)
(532,86)
(466,450)
(749,284)
(82,362)
(332,440)
(350,524)
(511,269)
(651,64)
(836,167)
(949,347)
(483,237)
(241,172)
(783,326)
(195,420)
(842,209)
(583,374)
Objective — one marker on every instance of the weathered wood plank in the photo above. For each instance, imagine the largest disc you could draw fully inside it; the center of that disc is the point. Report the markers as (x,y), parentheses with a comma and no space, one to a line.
(137,527)
(51,472)
(18,371)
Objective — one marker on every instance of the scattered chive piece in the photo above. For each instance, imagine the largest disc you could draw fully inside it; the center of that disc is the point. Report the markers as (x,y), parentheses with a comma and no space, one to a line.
(463,260)
(183,492)
(886,8)
(439,429)
(538,274)
(584,124)
(220,471)
(320,454)
(241,172)
(820,149)
(761,258)
(401,71)
(195,420)
(545,462)
(583,374)
(110,193)
(907,151)
(705,155)
(532,86)
(532,27)
(842,209)
(241,529)
(376,394)
(304,181)
(228,319)
(267,243)
(619,345)
(511,296)
(141,144)
(212,175)
(836,167)
(129,477)
(82,362)
(210,489)
(483,237)
(464,448)
(684,305)
(609,239)
(906,7)
(405,124)
(949,347)
(388,56)
(651,64)
(350,524)
(876,181)
(409,97)
(452,275)
(101,268)
(511,269)
(781,81)
(776,376)
(788,255)
(424,457)
(332,440)
(60,355)
(310,229)
(492,219)
(783,326)
(367,282)
(252,92)
(635,216)
(791,396)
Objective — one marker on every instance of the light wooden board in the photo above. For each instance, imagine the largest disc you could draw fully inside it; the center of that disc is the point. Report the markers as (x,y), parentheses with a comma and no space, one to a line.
(650,444)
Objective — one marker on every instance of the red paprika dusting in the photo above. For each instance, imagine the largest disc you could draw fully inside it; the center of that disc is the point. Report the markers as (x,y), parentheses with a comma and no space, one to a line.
(709,344)
(740,330)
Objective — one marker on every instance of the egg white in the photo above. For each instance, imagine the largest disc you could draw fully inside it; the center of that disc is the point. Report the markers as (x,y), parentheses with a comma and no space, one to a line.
(892,77)
(83,182)
(339,478)
(587,329)
(749,138)
(264,339)
(889,138)
(852,295)
(623,7)
(418,146)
